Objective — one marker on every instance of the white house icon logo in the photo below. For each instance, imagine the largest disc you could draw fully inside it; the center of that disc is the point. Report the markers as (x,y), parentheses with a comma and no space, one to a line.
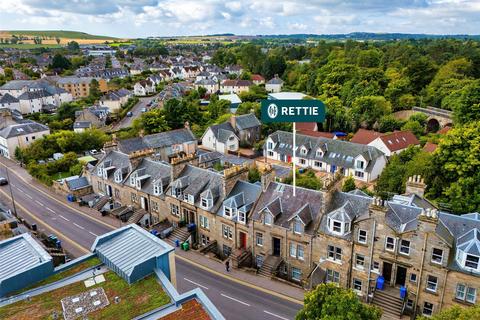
(272,111)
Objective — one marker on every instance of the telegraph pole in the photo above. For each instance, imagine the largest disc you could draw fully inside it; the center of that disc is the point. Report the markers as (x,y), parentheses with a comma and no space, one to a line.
(11,193)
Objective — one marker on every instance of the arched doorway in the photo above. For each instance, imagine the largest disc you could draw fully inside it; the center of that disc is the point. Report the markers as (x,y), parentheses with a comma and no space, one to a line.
(433,125)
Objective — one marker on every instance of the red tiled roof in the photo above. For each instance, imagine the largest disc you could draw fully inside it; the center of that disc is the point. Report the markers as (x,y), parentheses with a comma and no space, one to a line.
(399,140)
(311,133)
(190,310)
(306,126)
(364,136)
(430,147)
(257,77)
(444,130)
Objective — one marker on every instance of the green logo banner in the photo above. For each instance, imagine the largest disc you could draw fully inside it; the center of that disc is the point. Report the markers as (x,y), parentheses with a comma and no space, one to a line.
(292,111)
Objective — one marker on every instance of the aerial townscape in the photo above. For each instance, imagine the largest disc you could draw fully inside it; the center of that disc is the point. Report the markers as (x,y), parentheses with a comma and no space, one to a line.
(240,160)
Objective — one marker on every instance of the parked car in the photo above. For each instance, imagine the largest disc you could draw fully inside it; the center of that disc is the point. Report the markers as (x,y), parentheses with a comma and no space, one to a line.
(3,181)
(129,114)
(143,110)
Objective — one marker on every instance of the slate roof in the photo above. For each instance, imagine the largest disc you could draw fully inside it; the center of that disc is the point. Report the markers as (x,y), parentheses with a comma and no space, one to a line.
(195,181)
(345,207)
(77,183)
(37,94)
(156,141)
(242,197)
(22,127)
(336,152)
(275,80)
(7,99)
(279,200)
(115,160)
(246,121)
(223,131)
(154,172)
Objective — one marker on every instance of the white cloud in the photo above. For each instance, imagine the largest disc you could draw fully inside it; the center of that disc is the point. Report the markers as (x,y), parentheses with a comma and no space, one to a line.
(171,17)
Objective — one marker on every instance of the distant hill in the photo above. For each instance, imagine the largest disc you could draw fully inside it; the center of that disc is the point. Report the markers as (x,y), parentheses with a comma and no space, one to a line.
(55,34)
(372,36)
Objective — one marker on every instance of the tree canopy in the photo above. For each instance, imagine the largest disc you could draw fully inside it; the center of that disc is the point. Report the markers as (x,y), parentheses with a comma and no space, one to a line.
(328,301)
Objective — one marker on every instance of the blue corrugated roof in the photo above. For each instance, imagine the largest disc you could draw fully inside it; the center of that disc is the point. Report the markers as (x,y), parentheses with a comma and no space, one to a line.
(129,246)
(19,254)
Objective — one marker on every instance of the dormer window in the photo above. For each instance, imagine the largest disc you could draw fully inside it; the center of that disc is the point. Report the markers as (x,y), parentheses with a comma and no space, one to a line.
(338,227)
(297,226)
(157,189)
(189,198)
(206,203)
(228,212)
(303,151)
(133,179)
(138,184)
(472,261)
(177,192)
(319,153)
(100,171)
(267,219)
(118,176)
(242,216)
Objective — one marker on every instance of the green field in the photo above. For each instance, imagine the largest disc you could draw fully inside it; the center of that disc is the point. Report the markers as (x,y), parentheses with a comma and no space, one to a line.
(29,45)
(57,33)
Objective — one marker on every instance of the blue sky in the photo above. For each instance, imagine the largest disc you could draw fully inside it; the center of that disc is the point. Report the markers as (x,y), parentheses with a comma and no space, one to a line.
(141,18)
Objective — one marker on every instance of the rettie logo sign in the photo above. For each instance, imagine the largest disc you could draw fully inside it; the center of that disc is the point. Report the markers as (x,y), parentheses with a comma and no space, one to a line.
(293,111)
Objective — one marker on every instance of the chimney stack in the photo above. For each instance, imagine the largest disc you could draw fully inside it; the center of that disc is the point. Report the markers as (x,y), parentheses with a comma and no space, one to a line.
(416,185)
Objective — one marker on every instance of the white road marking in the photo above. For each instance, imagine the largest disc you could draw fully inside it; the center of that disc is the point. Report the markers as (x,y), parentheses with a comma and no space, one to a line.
(197,284)
(50,210)
(78,226)
(93,234)
(28,196)
(39,203)
(19,189)
(228,297)
(275,315)
(63,217)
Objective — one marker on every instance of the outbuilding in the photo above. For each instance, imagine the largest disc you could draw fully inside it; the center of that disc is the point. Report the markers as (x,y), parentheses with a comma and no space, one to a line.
(133,253)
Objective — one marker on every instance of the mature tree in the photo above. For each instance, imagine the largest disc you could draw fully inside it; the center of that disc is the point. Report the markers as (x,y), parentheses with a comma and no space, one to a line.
(152,121)
(254,175)
(273,65)
(337,118)
(59,62)
(328,301)
(217,107)
(73,46)
(95,92)
(369,109)
(248,107)
(349,184)
(466,104)
(389,123)
(457,169)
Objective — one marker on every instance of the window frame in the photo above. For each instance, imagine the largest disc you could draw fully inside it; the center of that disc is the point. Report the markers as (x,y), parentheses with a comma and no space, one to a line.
(259,236)
(434,254)
(359,257)
(357,283)
(402,246)
(424,307)
(394,244)
(359,236)
(430,282)
(333,276)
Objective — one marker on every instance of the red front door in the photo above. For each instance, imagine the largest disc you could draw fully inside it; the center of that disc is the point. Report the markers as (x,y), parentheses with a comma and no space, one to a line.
(243,240)
(289,159)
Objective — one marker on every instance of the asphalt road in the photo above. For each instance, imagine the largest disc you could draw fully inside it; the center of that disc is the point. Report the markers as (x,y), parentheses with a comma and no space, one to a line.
(136,112)
(77,233)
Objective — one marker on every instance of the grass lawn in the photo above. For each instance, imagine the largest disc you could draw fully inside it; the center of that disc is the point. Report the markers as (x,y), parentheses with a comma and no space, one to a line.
(135,299)
(71,271)
(61,175)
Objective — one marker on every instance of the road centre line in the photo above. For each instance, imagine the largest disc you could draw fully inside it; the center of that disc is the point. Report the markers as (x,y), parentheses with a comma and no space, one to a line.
(239,301)
(78,226)
(197,284)
(50,210)
(39,203)
(28,196)
(275,315)
(63,217)
(93,234)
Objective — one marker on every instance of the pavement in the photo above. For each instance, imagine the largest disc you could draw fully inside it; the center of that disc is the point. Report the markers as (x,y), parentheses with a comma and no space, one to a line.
(136,112)
(237,294)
